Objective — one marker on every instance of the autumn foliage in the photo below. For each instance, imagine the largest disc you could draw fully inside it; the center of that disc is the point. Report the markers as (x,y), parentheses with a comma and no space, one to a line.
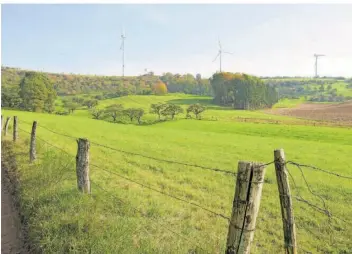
(160,88)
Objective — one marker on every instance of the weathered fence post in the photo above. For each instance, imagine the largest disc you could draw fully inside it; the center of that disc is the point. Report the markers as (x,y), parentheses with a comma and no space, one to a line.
(285,202)
(32,147)
(82,165)
(7,125)
(15,133)
(249,184)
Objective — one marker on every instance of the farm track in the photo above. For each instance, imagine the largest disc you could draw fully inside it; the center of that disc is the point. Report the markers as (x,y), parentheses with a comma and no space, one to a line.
(10,223)
(336,114)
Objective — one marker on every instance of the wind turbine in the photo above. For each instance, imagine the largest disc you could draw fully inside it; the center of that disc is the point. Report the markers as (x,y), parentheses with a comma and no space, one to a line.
(122,47)
(316,63)
(220,54)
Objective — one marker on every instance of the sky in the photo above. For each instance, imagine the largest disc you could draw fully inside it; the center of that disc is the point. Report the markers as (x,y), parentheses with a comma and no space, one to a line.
(265,40)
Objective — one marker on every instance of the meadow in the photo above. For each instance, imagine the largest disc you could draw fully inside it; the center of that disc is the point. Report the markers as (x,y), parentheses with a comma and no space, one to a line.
(121,216)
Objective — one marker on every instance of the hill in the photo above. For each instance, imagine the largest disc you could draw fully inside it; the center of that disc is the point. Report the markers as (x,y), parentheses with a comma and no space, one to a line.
(74,84)
(136,171)
(314,90)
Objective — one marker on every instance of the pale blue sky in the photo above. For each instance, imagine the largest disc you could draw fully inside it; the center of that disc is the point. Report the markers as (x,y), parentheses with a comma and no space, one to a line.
(265,39)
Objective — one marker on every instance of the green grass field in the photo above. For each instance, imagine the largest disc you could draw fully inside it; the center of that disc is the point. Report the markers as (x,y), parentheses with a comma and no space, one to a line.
(213,112)
(61,220)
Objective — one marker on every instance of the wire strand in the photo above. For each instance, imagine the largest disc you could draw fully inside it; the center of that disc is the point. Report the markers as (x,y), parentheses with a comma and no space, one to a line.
(319,169)
(164,193)
(142,213)
(145,156)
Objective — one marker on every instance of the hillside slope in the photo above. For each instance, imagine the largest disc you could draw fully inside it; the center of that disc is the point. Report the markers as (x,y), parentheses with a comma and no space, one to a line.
(61,218)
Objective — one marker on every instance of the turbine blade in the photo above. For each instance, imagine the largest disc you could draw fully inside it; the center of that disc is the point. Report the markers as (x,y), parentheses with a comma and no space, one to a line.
(216,57)
(219,44)
(228,52)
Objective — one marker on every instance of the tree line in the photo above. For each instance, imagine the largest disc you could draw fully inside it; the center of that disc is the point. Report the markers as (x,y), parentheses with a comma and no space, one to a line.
(242,91)
(34,92)
(110,86)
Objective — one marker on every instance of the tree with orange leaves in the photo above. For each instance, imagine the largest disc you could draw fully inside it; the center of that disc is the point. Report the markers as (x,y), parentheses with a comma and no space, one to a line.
(160,88)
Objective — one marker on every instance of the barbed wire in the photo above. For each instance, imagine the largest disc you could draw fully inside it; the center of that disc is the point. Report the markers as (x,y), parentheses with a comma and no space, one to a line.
(57,133)
(301,199)
(142,213)
(299,166)
(164,160)
(319,169)
(164,193)
(145,156)
(46,142)
(319,209)
(328,213)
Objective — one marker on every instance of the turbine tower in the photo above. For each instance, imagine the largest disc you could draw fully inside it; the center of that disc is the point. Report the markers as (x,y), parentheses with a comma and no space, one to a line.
(316,63)
(220,54)
(123,37)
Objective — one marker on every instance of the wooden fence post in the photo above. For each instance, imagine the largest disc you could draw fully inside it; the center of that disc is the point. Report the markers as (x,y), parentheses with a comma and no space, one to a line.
(249,184)
(7,124)
(32,147)
(1,122)
(285,202)
(82,165)
(15,133)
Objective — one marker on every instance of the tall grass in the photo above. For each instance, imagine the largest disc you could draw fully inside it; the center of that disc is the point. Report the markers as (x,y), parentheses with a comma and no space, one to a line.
(62,220)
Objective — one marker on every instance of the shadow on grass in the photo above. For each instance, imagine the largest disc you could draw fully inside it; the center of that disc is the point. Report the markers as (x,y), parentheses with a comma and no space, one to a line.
(203,101)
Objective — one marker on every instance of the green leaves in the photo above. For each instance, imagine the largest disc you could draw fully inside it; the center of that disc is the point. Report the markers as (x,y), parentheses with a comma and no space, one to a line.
(157,108)
(134,113)
(197,109)
(97,113)
(114,111)
(171,110)
(166,109)
(37,92)
(242,91)
(90,103)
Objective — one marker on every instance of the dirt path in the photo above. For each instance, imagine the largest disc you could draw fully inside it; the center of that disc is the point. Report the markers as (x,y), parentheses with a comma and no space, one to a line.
(10,223)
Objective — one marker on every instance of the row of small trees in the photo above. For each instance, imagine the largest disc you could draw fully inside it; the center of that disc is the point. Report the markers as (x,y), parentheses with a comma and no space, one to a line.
(117,112)
(162,109)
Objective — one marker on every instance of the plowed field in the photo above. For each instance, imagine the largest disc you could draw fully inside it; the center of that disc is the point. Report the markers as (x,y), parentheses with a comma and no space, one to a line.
(339,113)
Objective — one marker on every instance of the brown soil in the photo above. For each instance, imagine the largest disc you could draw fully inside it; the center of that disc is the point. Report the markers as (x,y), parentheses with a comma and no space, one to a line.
(10,223)
(338,113)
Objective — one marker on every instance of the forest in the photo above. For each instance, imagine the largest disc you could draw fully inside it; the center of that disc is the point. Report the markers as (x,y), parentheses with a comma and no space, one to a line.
(112,86)
(242,91)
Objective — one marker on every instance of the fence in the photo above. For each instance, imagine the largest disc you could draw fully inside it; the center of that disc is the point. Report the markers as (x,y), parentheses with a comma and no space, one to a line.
(250,178)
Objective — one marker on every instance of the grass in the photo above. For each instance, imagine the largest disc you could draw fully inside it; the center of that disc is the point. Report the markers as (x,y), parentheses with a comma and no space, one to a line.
(289,103)
(64,221)
(340,86)
(213,112)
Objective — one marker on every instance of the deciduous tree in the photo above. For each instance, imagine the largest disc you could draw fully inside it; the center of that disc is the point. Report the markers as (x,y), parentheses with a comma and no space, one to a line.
(172,110)
(197,109)
(37,92)
(157,109)
(114,111)
(96,113)
(160,88)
